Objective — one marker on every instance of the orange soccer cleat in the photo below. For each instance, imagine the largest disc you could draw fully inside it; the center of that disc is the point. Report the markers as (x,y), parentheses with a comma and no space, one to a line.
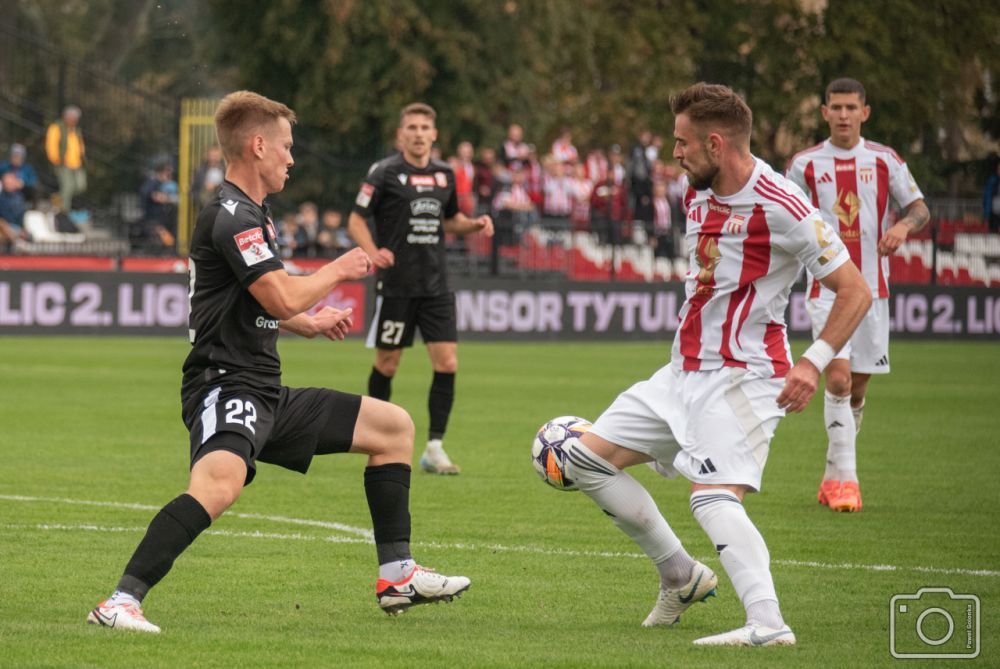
(827,490)
(848,499)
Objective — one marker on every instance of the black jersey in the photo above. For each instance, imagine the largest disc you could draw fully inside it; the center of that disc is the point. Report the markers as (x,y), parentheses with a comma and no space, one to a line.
(410,205)
(232,335)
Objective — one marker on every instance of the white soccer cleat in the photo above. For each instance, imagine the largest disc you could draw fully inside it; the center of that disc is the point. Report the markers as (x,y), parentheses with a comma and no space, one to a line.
(751,634)
(422,586)
(670,604)
(436,461)
(121,616)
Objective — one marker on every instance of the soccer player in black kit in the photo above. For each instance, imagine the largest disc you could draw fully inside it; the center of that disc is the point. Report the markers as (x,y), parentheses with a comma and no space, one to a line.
(234,405)
(412,199)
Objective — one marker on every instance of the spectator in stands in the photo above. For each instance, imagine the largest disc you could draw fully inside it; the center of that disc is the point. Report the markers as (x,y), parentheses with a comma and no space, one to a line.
(484,181)
(663,229)
(640,172)
(558,193)
(991,196)
(597,166)
(156,232)
(513,208)
(465,177)
(581,190)
(610,199)
(208,176)
(308,221)
(291,239)
(25,172)
(514,151)
(12,208)
(533,178)
(333,238)
(65,149)
(563,149)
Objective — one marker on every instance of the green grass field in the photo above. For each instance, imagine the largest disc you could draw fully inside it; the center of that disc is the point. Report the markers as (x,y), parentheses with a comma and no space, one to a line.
(93,445)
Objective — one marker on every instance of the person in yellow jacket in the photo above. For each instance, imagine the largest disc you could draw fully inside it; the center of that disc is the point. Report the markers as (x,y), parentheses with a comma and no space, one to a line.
(65,149)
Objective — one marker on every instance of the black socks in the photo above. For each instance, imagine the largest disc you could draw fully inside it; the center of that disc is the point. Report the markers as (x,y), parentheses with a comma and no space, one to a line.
(387,488)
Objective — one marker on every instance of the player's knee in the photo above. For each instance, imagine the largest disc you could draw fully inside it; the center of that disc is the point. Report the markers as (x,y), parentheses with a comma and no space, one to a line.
(387,361)
(398,432)
(838,383)
(585,468)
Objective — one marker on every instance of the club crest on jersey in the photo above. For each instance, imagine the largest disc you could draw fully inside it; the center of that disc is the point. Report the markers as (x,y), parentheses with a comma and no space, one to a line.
(425,205)
(866,174)
(364,197)
(442,179)
(253,247)
(734,225)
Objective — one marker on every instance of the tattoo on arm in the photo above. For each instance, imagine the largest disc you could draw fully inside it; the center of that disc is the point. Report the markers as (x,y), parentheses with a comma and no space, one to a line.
(917,215)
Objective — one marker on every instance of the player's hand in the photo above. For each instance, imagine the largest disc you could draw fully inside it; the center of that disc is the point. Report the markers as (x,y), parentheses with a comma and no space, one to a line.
(384,258)
(800,386)
(355,264)
(332,323)
(483,224)
(893,239)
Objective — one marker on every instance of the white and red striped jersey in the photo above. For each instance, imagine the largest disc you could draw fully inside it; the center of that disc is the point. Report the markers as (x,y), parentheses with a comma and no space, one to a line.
(746,250)
(851,188)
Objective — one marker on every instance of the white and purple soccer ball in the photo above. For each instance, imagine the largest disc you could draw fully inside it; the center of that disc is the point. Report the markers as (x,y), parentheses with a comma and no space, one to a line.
(547,452)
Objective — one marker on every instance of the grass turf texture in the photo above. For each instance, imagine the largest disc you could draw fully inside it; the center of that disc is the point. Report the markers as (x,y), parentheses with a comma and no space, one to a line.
(98,420)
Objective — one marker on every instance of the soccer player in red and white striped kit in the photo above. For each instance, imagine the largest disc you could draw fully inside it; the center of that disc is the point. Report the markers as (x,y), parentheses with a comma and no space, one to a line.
(851,181)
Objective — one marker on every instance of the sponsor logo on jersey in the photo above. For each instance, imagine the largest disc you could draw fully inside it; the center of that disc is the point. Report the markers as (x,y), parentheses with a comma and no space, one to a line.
(866,174)
(253,247)
(230,206)
(421,180)
(442,179)
(844,167)
(847,209)
(719,208)
(425,205)
(734,225)
(267,323)
(364,197)
(422,239)
(825,178)
(708,258)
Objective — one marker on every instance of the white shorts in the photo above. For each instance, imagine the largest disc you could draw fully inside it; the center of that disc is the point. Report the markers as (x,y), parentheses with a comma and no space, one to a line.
(713,427)
(868,347)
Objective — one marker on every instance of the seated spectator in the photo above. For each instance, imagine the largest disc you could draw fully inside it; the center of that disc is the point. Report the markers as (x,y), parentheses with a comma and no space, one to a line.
(513,208)
(557,189)
(483,183)
(207,178)
(465,176)
(563,149)
(663,230)
(308,221)
(514,150)
(581,190)
(291,239)
(12,208)
(332,239)
(156,232)
(25,172)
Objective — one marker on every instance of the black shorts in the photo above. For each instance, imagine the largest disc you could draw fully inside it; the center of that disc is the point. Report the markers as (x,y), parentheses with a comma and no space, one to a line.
(281,426)
(397,318)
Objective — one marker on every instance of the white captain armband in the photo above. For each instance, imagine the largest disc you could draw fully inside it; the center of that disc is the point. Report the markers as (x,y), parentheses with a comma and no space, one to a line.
(820,354)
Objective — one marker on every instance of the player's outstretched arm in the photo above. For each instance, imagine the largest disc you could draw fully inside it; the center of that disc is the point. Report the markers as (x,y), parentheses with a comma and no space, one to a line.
(460,224)
(357,230)
(853,299)
(914,218)
(332,323)
(285,296)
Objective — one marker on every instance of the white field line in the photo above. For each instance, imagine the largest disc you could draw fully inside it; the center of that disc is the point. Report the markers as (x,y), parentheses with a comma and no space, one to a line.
(364,536)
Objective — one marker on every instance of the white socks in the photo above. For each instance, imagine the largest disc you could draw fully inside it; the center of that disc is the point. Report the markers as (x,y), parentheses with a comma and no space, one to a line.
(741,550)
(119,597)
(632,510)
(841,457)
(396,570)
(858,413)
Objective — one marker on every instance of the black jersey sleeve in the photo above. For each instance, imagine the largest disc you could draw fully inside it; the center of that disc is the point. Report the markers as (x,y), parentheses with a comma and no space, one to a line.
(240,236)
(370,193)
(451,206)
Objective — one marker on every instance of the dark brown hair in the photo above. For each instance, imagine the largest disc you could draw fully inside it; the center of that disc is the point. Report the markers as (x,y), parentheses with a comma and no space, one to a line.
(845,85)
(716,106)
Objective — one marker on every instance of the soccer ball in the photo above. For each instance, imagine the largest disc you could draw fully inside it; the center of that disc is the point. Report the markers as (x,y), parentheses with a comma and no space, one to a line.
(547,454)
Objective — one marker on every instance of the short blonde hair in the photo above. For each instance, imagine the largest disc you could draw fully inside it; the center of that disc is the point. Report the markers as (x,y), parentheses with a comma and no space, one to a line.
(240,114)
